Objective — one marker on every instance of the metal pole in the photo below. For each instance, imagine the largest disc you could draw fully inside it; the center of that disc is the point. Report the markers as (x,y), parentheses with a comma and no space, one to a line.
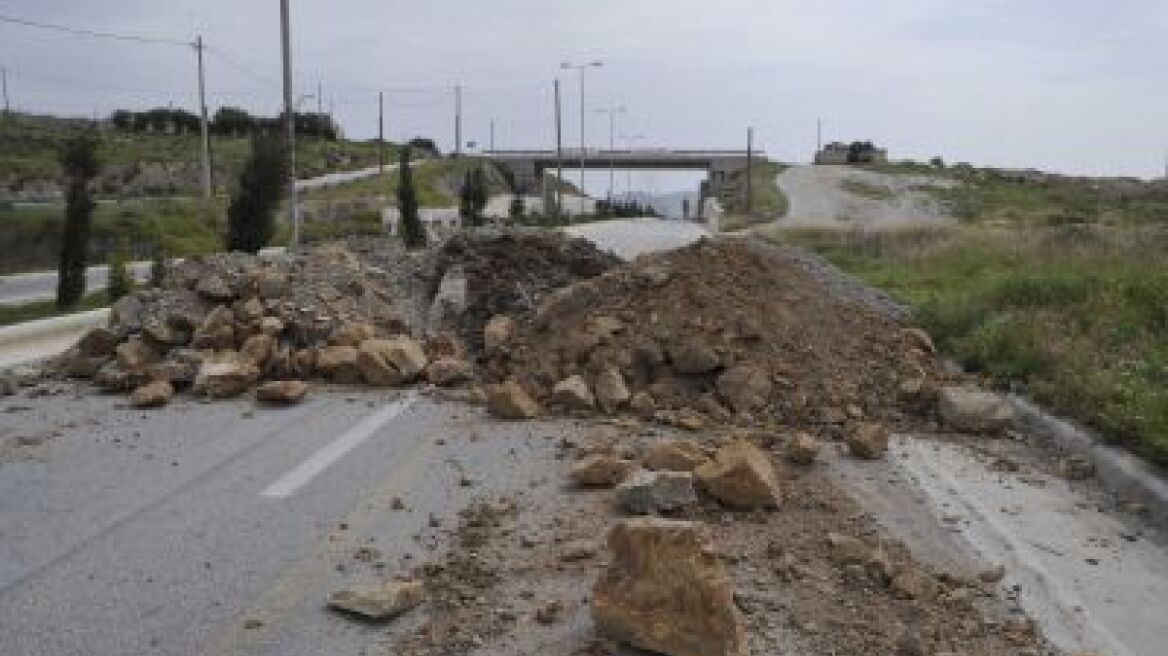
(492,135)
(818,135)
(749,171)
(205,129)
(381,132)
(458,120)
(4,78)
(581,69)
(559,156)
(290,124)
(611,149)
(319,100)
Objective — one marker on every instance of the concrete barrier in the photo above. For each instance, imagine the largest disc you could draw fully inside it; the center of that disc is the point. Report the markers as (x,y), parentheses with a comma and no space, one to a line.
(35,340)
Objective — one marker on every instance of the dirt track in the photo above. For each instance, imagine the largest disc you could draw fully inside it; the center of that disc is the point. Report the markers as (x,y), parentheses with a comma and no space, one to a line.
(847,196)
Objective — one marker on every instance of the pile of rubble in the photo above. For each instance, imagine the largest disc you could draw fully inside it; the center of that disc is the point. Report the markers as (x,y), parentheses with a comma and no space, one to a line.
(720,331)
(363,313)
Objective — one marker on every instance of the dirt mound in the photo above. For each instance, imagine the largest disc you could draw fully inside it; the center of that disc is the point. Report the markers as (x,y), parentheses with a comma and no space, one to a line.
(722,330)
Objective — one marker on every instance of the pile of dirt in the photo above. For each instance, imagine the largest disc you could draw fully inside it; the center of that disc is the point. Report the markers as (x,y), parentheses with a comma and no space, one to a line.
(359,312)
(720,331)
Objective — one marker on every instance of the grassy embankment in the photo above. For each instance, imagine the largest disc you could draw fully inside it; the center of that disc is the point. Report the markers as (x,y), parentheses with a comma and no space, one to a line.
(770,202)
(1076,315)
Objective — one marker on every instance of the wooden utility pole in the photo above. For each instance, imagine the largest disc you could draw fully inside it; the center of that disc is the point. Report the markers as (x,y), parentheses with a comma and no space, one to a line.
(290,123)
(205,131)
(749,171)
(381,132)
(458,120)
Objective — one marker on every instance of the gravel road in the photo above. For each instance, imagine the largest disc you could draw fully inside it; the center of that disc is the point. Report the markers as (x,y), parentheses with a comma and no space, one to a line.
(844,195)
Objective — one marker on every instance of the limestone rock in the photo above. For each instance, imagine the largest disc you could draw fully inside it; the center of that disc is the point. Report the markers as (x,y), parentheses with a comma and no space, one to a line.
(379,602)
(448,371)
(868,441)
(216,332)
(98,343)
(693,358)
(510,401)
(339,363)
(152,395)
(388,362)
(744,387)
(573,393)
(666,591)
(741,476)
(225,374)
(643,404)
(282,392)
(803,449)
(498,333)
(215,288)
(974,411)
(647,492)
(601,471)
(675,455)
(611,391)
(135,355)
(352,334)
(259,349)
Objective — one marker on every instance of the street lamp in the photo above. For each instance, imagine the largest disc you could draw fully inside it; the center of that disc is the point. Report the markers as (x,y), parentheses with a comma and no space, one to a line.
(612,114)
(581,68)
(629,141)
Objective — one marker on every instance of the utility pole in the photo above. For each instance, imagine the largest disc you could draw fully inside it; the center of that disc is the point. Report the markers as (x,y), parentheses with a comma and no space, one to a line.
(492,135)
(319,100)
(818,135)
(4,82)
(290,124)
(559,156)
(580,68)
(381,132)
(206,131)
(458,120)
(749,171)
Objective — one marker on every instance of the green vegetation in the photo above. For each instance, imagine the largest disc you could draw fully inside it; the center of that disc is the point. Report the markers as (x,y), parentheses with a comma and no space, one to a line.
(472,197)
(436,180)
(14,314)
(251,216)
(412,232)
(79,162)
(119,282)
(866,190)
(1075,315)
(769,204)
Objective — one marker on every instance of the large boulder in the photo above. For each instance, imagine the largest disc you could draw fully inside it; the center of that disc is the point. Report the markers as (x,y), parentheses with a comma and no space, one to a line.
(216,331)
(666,591)
(339,363)
(573,393)
(600,471)
(741,476)
(225,374)
(152,395)
(389,362)
(448,371)
(868,440)
(648,492)
(611,391)
(510,401)
(498,333)
(744,387)
(379,602)
(134,355)
(282,392)
(675,455)
(259,349)
(974,411)
(98,343)
(352,334)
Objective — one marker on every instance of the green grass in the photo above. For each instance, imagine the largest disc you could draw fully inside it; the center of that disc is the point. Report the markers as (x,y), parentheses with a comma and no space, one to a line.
(14,314)
(436,180)
(769,202)
(1077,317)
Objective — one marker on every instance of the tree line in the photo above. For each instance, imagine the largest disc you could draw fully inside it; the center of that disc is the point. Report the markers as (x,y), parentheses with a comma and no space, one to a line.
(227,121)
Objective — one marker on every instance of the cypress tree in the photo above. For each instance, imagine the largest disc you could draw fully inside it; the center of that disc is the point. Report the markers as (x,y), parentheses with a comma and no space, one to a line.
(251,216)
(79,162)
(412,232)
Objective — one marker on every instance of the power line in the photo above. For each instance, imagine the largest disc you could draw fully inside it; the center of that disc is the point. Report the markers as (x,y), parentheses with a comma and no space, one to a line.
(4,18)
(259,77)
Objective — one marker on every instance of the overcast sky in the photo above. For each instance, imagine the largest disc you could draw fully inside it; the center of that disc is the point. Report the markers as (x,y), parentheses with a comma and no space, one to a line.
(1076,86)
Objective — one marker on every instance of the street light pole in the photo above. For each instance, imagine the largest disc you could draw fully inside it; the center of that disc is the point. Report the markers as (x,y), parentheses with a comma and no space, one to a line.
(4,78)
(580,68)
(612,114)
(290,123)
(559,157)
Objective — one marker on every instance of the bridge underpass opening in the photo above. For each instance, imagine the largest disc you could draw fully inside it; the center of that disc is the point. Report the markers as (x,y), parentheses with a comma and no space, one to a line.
(664,189)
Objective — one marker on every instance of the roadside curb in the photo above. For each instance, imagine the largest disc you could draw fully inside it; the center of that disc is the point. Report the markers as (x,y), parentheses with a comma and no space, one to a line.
(1125,474)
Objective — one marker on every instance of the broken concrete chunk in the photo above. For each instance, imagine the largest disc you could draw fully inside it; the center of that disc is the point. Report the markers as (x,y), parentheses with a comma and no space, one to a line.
(741,476)
(379,602)
(646,492)
(601,471)
(666,591)
(510,401)
(675,455)
(974,411)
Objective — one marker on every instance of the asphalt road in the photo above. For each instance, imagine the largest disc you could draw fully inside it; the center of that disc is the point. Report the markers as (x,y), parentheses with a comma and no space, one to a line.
(218,529)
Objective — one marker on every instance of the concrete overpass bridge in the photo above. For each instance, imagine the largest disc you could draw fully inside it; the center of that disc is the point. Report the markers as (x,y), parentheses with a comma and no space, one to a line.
(529,166)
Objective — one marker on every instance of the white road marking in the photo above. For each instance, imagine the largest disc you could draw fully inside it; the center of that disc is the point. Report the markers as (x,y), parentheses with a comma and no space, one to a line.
(287,484)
